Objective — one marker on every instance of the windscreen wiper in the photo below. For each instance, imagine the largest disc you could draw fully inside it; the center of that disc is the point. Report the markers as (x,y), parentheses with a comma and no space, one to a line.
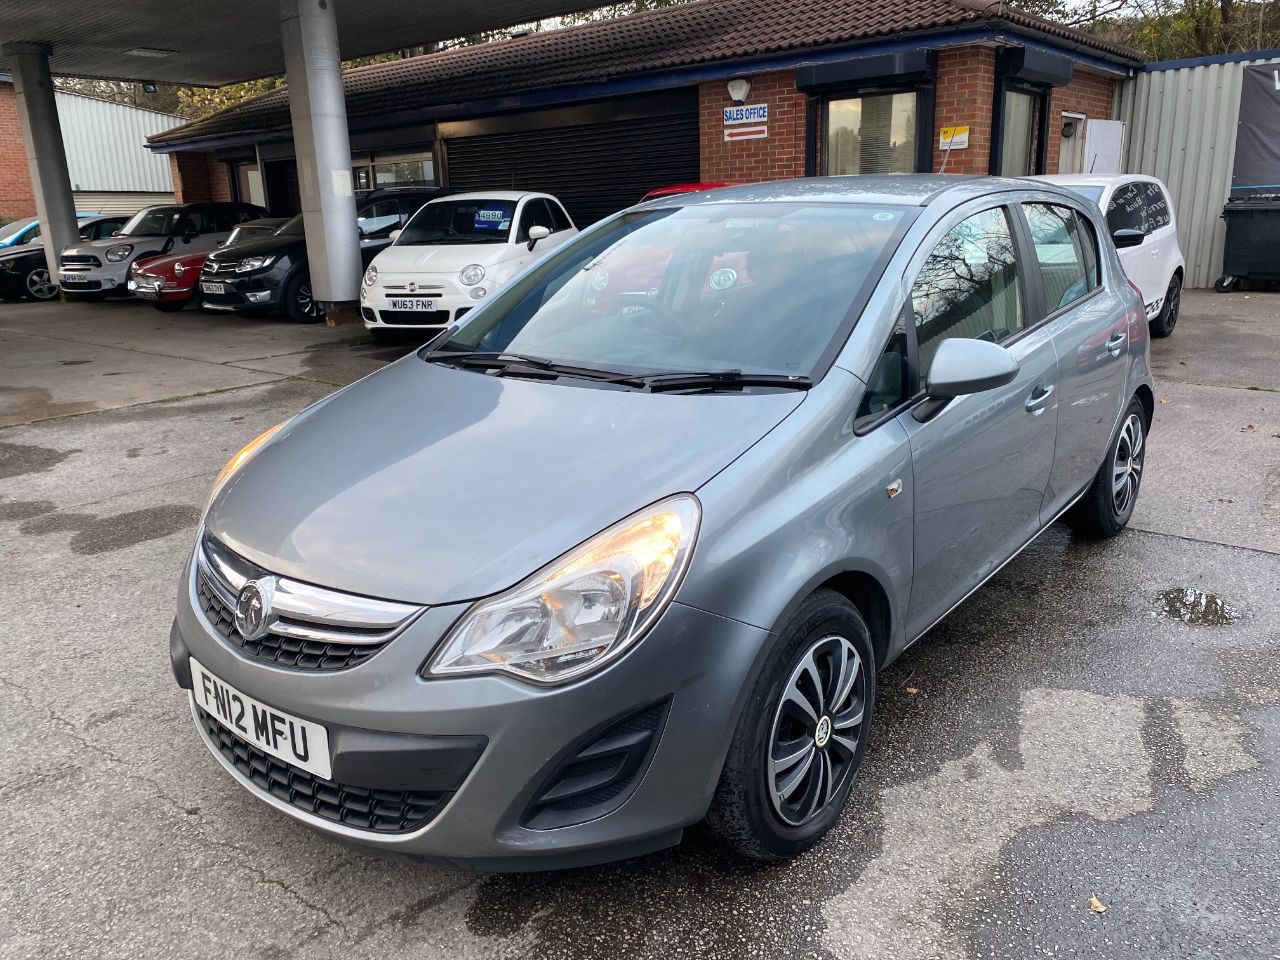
(721,380)
(505,363)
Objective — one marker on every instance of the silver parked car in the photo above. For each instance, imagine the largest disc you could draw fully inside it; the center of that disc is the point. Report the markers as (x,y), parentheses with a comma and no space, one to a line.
(627,548)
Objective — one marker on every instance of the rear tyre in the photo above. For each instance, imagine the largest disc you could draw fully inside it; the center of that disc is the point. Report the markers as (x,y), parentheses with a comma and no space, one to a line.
(1164,322)
(1107,505)
(802,735)
(299,305)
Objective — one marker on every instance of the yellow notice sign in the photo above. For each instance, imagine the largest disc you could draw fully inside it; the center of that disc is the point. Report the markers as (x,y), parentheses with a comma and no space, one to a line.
(953,138)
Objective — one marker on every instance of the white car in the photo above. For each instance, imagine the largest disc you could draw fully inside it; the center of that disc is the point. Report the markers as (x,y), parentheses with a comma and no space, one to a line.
(454,252)
(1141,219)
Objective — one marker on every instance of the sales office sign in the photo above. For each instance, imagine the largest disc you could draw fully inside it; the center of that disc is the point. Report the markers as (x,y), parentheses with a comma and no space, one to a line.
(746,121)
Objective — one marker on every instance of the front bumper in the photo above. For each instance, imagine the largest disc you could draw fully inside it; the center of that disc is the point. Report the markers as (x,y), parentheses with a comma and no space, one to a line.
(697,665)
(84,277)
(450,300)
(246,291)
(157,289)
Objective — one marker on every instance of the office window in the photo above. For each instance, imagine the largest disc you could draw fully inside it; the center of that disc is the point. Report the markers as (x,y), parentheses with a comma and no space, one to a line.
(875,133)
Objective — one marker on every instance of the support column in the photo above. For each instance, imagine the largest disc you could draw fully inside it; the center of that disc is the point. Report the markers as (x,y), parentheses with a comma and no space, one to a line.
(313,68)
(46,158)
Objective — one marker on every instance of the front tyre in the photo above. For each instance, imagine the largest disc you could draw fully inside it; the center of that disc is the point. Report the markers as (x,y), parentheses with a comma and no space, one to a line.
(802,734)
(1107,505)
(39,285)
(299,304)
(1163,323)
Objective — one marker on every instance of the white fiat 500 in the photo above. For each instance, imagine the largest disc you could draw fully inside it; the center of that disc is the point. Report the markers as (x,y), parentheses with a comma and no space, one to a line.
(1140,218)
(456,251)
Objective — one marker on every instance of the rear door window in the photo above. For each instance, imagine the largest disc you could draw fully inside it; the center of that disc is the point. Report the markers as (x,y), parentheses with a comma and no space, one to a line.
(1066,268)
(1128,209)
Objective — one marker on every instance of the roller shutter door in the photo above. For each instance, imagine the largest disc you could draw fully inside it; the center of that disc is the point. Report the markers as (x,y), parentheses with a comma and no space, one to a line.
(594,169)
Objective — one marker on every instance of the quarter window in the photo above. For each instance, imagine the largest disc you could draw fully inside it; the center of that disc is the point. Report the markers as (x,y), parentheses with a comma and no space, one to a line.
(969,287)
(890,382)
(1157,207)
(1127,209)
(1067,269)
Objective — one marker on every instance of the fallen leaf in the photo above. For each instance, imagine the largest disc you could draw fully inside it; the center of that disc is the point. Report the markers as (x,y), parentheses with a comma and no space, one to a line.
(1164,399)
(913,690)
(1096,905)
(1182,363)
(1248,428)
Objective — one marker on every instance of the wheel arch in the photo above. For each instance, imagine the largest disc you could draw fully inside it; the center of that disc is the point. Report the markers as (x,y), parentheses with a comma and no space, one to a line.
(1147,398)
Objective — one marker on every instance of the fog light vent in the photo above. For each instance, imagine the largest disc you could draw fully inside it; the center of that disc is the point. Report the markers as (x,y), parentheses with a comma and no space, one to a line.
(597,777)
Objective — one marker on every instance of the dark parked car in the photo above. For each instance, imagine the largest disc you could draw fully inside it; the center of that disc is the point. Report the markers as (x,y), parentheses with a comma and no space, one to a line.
(24,271)
(271,273)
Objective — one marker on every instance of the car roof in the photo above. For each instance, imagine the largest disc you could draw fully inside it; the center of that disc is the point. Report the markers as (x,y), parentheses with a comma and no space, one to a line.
(911,189)
(1093,179)
(493,195)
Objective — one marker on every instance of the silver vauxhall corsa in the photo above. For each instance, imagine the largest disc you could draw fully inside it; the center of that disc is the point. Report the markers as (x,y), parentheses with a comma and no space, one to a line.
(626,549)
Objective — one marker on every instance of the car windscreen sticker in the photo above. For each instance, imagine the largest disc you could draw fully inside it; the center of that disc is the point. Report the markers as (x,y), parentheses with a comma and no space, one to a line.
(491,218)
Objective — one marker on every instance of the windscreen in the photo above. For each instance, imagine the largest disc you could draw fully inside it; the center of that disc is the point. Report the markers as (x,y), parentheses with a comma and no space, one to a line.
(467,220)
(763,288)
(152,222)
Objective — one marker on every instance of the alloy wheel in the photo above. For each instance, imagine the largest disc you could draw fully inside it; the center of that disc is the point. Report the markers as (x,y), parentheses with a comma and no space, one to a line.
(40,285)
(1127,468)
(1173,300)
(306,304)
(817,730)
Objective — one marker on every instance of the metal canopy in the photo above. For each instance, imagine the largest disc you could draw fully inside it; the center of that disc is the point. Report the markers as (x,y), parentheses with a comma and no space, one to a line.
(214,42)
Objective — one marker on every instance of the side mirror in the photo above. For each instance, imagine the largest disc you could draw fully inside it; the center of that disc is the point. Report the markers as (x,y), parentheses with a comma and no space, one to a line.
(115,233)
(1126,237)
(960,367)
(537,233)
(394,235)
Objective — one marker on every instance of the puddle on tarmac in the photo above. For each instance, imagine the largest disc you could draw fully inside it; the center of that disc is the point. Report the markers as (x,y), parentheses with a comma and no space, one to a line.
(1196,607)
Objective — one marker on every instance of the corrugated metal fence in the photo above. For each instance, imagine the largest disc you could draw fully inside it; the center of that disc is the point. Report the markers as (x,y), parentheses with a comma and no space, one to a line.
(106,145)
(1182,128)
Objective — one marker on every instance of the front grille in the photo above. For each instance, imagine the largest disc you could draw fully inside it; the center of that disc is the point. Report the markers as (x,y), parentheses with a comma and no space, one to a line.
(80,260)
(416,318)
(381,811)
(213,266)
(309,628)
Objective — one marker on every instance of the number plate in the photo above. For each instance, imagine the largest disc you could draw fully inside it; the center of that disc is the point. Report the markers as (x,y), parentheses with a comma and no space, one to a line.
(72,277)
(208,287)
(299,743)
(411,303)
(146,294)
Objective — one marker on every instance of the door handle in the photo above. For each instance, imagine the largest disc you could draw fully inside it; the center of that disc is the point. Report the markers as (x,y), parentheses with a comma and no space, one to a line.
(1116,344)
(1039,399)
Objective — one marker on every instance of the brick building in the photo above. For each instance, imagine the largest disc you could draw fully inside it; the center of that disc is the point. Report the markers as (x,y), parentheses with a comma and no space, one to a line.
(601,113)
(111,169)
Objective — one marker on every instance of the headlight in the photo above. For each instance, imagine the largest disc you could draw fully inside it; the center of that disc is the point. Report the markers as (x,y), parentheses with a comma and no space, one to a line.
(239,460)
(583,610)
(179,270)
(254,263)
(471,274)
(371,276)
(478,293)
(119,252)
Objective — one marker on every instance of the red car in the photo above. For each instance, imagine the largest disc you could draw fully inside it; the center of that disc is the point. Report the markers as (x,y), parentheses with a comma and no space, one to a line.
(168,282)
(679,188)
